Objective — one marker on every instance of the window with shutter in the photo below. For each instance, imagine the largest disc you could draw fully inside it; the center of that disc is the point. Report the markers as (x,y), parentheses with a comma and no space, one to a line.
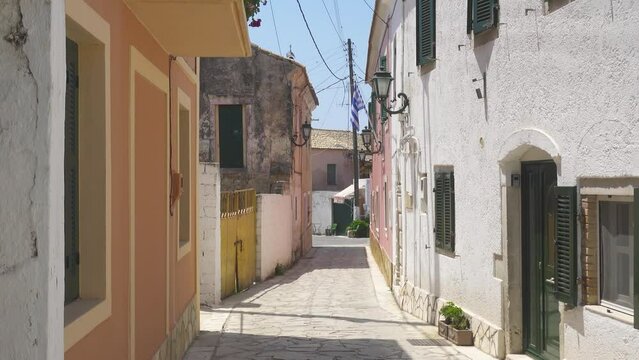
(382,63)
(425,31)
(566,244)
(483,15)
(331,174)
(231,128)
(71,221)
(445,211)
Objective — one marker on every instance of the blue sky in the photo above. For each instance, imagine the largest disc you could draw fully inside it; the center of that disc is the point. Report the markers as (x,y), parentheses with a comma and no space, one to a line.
(354,16)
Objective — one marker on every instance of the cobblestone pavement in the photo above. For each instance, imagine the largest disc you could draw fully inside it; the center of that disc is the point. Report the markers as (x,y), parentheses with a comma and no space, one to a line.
(333,304)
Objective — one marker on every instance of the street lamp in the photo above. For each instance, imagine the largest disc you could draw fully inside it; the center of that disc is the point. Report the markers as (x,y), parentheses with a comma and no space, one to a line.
(367,139)
(381,85)
(306,134)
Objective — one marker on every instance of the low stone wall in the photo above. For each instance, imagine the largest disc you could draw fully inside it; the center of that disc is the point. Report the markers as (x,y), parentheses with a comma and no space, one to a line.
(182,334)
(274,220)
(382,260)
(419,303)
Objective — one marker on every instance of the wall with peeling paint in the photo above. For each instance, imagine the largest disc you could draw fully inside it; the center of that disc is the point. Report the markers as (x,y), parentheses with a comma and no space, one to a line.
(31,190)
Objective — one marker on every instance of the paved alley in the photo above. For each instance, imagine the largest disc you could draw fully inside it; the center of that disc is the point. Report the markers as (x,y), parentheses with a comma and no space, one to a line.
(333,304)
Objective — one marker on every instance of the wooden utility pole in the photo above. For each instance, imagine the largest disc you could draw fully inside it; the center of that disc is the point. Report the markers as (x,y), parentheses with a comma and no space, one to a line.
(355,153)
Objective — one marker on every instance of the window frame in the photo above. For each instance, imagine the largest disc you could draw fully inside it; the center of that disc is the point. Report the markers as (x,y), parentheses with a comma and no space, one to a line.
(604,303)
(184,102)
(218,122)
(92,34)
(334,177)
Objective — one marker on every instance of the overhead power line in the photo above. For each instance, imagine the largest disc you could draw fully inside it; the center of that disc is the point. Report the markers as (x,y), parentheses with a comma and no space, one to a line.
(374,12)
(315,43)
(332,23)
(277,36)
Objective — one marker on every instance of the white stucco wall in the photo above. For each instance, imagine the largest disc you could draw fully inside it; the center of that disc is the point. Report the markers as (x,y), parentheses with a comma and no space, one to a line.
(32,58)
(322,209)
(274,237)
(570,75)
(209,234)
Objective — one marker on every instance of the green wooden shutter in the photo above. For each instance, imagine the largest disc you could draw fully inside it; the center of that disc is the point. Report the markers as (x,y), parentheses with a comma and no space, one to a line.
(484,15)
(331,174)
(425,31)
(566,244)
(231,136)
(636,258)
(382,63)
(71,213)
(445,211)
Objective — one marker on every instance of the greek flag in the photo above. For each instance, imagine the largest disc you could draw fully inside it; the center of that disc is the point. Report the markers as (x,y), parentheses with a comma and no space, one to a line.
(357,104)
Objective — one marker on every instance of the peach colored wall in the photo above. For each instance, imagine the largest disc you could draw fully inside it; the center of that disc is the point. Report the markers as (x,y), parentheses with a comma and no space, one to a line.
(344,168)
(110,339)
(151,217)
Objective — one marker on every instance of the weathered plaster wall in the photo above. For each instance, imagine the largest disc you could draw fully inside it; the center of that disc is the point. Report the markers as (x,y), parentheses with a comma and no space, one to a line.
(209,234)
(344,168)
(274,241)
(322,209)
(264,84)
(31,189)
(570,73)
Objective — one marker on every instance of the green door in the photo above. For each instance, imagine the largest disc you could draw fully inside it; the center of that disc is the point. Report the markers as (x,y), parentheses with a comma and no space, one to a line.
(541,308)
(342,216)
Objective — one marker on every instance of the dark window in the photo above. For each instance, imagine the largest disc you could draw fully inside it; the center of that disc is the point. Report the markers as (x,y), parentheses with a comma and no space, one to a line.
(445,211)
(331,174)
(425,31)
(71,198)
(482,15)
(231,136)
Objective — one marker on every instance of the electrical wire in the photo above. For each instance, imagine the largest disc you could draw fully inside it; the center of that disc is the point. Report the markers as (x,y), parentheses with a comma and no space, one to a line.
(374,12)
(332,23)
(277,36)
(315,43)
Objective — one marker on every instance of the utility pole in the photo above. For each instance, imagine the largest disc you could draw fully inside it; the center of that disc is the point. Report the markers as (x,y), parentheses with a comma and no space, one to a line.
(355,153)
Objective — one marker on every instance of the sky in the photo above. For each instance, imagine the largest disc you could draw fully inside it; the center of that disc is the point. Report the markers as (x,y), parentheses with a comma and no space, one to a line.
(329,20)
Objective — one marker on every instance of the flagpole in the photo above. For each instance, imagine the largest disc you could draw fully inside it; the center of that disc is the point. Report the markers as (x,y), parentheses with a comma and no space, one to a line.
(355,153)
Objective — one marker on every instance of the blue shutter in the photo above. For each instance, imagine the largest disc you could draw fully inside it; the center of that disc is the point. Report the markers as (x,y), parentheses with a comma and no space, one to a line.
(425,31)
(566,244)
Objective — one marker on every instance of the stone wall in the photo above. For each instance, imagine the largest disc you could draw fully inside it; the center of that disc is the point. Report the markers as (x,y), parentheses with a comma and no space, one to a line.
(182,335)
(32,53)
(274,235)
(209,233)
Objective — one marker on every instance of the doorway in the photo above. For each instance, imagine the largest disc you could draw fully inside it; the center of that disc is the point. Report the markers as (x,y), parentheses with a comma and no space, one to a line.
(540,307)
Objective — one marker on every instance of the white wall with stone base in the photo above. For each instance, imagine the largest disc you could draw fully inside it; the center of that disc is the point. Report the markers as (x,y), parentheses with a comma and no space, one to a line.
(322,209)
(209,233)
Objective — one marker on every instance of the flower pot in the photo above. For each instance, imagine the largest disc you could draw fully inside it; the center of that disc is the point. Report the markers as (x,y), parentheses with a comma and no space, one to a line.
(350,233)
(442,329)
(460,337)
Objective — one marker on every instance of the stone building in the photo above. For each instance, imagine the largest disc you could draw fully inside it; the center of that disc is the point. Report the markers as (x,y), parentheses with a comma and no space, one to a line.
(250,108)
(509,184)
(98,134)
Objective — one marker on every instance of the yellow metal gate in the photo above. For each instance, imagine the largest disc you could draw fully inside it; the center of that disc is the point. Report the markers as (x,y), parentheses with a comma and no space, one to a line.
(238,241)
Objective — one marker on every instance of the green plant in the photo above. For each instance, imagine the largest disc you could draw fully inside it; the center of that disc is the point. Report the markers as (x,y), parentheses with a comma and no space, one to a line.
(454,315)
(280,269)
(252,7)
(357,223)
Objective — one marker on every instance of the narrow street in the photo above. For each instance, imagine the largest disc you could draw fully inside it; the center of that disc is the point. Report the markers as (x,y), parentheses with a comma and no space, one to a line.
(333,304)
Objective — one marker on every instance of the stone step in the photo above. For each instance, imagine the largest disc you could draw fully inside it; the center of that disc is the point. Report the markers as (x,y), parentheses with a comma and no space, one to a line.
(518,357)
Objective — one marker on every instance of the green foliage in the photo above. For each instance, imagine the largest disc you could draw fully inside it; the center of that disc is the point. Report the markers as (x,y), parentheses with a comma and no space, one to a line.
(360,226)
(454,315)
(252,7)
(280,269)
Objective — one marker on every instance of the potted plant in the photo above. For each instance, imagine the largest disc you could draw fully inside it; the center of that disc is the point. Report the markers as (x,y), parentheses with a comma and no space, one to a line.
(455,325)
(358,228)
(447,312)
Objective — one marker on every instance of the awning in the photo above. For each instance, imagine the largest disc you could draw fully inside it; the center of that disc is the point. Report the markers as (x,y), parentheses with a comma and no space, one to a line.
(347,193)
(207,28)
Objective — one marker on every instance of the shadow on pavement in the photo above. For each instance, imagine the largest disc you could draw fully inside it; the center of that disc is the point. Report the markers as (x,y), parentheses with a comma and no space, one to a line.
(249,346)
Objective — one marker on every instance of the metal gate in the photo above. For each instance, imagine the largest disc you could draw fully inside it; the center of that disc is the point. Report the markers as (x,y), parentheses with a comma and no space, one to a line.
(238,240)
